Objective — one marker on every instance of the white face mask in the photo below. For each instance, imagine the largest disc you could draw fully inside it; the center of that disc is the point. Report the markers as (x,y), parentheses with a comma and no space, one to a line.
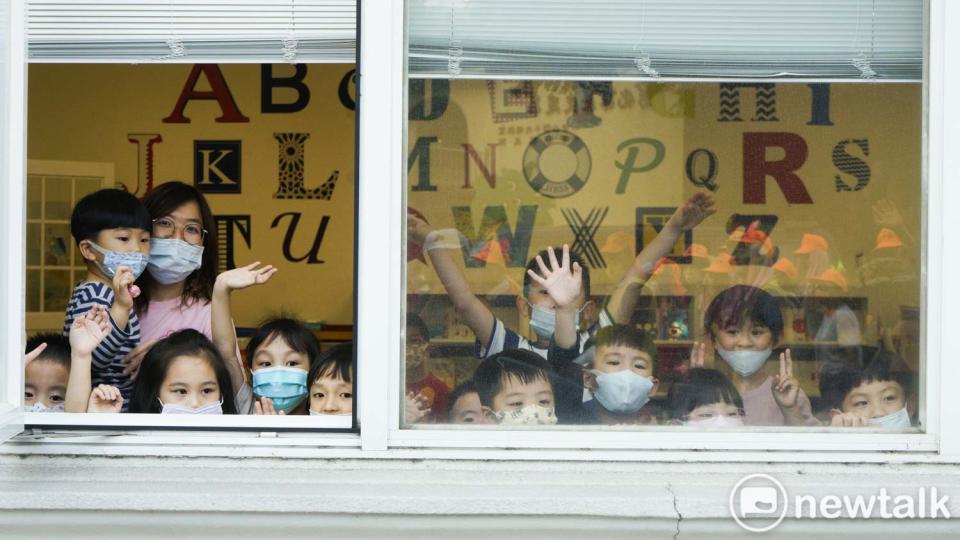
(40,407)
(531,415)
(745,363)
(722,421)
(210,408)
(173,260)
(623,391)
(897,421)
(543,320)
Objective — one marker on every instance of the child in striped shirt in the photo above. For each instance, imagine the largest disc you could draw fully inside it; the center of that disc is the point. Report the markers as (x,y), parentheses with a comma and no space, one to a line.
(112,231)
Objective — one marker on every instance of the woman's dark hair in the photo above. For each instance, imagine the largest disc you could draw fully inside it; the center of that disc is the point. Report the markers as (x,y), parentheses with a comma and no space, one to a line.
(700,387)
(294,334)
(155,364)
(162,201)
(336,362)
(736,305)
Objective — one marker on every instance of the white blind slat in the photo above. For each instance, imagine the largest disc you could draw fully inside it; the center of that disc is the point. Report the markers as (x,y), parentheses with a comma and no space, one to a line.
(141,30)
(852,39)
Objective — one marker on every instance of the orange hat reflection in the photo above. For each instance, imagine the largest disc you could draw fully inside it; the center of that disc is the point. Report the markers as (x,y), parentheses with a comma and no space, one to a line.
(811,243)
(752,235)
(617,242)
(697,250)
(673,272)
(720,264)
(833,276)
(784,266)
(886,238)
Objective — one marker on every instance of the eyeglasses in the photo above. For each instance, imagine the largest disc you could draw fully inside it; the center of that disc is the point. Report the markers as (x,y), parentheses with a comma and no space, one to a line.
(192,233)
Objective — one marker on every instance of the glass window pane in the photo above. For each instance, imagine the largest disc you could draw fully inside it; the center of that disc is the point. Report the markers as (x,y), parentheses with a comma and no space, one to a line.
(56,290)
(57,201)
(56,245)
(33,291)
(34,196)
(713,227)
(33,244)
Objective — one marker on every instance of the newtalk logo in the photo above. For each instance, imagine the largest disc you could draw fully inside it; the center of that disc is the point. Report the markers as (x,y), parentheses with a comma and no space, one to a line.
(759,503)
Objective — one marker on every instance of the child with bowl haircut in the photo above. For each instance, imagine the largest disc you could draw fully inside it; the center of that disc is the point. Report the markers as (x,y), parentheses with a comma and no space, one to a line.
(745,325)
(514,389)
(704,398)
(112,231)
(621,378)
(867,396)
(46,373)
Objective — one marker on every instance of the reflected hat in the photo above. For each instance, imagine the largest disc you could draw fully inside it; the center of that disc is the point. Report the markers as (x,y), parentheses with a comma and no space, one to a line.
(697,250)
(833,276)
(720,264)
(886,238)
(784,266)
(810,243)
(672,271)
(617,241)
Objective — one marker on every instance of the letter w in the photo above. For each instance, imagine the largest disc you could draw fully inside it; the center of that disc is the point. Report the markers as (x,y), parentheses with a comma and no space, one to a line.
(514,245)
(859,507)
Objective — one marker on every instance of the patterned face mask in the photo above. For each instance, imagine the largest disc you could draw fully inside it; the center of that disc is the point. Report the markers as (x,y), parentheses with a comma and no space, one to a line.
(113,260)
(531,415)
(40,407)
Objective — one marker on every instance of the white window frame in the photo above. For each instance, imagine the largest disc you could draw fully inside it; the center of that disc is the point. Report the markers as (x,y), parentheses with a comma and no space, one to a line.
(380,308)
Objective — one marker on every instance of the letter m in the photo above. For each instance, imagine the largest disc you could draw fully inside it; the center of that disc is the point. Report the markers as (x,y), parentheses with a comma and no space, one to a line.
(514,245)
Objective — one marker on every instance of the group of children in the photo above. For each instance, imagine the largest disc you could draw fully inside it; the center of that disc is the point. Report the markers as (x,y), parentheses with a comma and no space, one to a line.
(600,369)
(186,372)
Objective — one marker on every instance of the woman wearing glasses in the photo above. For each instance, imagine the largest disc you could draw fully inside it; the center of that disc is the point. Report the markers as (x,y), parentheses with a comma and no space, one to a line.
(177,286)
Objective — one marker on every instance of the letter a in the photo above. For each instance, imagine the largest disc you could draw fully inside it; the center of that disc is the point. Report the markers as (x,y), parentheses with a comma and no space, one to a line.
(218,91)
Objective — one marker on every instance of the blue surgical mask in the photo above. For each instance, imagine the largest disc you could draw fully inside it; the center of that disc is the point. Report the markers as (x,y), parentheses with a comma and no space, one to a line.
(173,260)
(286,387)
(112,260)
(623,392)
(745,363)
(897,421)
(543,320)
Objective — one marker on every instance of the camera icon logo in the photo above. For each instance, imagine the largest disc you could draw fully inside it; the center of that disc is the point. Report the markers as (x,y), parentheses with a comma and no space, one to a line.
(758,502)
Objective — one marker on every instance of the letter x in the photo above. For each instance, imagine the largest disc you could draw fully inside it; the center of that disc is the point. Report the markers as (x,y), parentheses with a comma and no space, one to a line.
(584,231)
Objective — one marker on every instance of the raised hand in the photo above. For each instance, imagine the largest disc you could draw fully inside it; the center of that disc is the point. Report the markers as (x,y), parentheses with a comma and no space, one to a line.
(786,388)
(416,407)
(32,355)
(123,287)
(697,355)
(105,399)
(885,212)
(265,407)
(561,282)
(135,357)
(89,330)
(842,419)
(696,209)
(245,276)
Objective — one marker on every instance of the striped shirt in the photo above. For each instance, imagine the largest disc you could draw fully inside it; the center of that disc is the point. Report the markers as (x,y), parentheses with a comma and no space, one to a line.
(107,367)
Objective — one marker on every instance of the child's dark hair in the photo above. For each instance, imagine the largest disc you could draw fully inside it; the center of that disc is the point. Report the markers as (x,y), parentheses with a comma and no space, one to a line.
(736,305)
(414,321)
(545,256)
(156,363)
(626,336)
(293,333)
(108,209)
(700,387)
(58,348)
(335,362)
(525,366)
(461,390)
(837,379)
(162,201)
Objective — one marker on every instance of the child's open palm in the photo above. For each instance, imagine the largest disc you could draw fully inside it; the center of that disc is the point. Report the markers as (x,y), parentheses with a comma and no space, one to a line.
(245,276)
(105,399)
(562,282)
(694,210)
(89,330)
(786,387)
